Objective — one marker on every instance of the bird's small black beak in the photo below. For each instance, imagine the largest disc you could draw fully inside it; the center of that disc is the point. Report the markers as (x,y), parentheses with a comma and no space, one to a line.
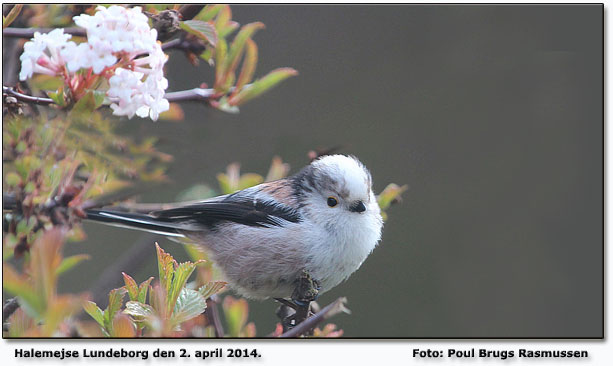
(358,206)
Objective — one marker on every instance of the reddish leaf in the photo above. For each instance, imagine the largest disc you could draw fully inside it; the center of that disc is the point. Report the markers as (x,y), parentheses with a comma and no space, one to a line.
(123,327)
(131,286)
(249,63)
(238,45)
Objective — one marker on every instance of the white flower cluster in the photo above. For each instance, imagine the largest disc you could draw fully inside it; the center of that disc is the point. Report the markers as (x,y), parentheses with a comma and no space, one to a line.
(34,59)
(120,46)
(137,97)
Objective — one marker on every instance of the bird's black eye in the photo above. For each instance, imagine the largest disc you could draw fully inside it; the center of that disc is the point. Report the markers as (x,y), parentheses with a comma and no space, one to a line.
(332,201)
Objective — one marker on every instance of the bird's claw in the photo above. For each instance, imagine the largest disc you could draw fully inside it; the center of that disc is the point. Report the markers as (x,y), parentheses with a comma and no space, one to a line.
(306,290)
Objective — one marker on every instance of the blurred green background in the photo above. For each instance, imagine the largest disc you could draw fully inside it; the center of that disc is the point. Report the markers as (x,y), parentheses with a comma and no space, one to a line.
(492,115)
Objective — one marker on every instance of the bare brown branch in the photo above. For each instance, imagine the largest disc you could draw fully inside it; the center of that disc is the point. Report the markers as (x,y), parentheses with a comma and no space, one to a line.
(26,98)
(336,307)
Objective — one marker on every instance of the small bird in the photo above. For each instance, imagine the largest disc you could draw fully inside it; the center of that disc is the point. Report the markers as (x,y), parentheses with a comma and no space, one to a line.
(325,220)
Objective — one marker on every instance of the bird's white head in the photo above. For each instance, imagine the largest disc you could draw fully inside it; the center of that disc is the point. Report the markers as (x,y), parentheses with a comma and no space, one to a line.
(337,190)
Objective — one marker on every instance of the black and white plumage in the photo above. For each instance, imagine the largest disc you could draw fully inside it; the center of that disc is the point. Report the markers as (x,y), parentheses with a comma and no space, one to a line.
(324,219)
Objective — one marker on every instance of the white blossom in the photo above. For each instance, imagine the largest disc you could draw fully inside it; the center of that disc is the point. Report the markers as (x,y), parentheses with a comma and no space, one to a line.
(35,59)
(116,37)
(121,29)
(117,29)
(131,95)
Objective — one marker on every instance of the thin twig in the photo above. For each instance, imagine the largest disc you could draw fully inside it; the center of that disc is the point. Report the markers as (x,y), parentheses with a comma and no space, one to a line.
(29,32)
(213,315)
(175,43)
(26,98)
(338,306)
(196,94)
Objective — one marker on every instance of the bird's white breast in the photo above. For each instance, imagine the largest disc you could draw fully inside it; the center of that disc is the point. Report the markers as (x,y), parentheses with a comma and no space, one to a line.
(342,250)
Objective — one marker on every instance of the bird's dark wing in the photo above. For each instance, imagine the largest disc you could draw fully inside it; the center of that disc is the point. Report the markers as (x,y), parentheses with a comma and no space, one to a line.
(233,208)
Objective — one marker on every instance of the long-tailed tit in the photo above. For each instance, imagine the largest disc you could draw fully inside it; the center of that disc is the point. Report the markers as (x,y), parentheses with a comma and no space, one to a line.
(325,219)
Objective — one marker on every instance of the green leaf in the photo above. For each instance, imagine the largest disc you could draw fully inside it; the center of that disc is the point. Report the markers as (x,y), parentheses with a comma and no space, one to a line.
(29,188)
(390,194)
(220,63)
(95,312)
(142,290)
(166,265)
(211,288)
(200,29)
(88,103)
(208,12)
(182,273)
(46,82)
(249,180)
(12,179)
(189,304)
(98,97)
(196,192)
(262,85)
(136,308)
(29,300)
(11,16)
(69,262)
(249,63)
(58,97)
(21,146)
(225,184)
(115,302)
(223,22)
(238,45)
(225,106)
(22,227)
(207,55)
(235,311)
(226,29)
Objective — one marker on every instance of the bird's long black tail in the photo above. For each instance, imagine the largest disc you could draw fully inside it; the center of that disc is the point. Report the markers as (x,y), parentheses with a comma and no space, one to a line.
(136,221)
